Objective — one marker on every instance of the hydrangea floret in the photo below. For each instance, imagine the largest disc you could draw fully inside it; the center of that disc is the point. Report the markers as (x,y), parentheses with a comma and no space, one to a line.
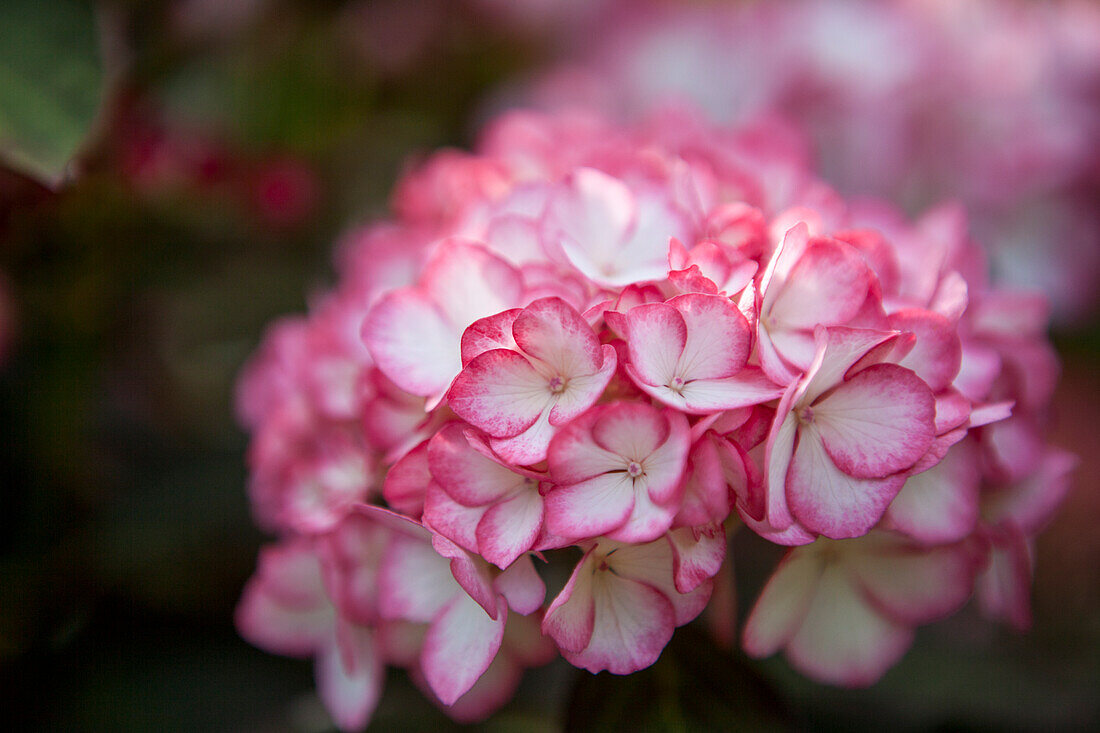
(612,348)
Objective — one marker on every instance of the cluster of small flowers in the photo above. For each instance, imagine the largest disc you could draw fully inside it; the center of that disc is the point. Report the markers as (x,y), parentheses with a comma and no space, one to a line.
(631,342)
(990,101)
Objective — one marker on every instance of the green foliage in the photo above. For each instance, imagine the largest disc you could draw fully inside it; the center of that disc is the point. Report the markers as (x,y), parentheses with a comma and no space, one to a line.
(50,83)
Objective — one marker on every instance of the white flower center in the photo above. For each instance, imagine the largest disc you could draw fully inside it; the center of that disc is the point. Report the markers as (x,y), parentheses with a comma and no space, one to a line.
(557,385)
(634,469)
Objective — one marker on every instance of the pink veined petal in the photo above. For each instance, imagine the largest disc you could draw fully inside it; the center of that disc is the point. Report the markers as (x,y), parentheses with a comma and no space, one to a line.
(412,342)
(770,360)
(592,507)
(782,605)
(830,502)
(630,430)
(460,646)
(582,391)
(697,555)
(940,505)
(794,243)
(521,586)
(706,492)
(877,423)
(486,334)
(499,392)
(794,347)
(656,334)
(913,585)
(451,519)
(839,349)
(466,473)
(510,528)
(633,623)
(842,640)
(468,282)
(827,285)
(350,692)
(937,354)
(571,616)
(718,337)
(552,331)
(748,387)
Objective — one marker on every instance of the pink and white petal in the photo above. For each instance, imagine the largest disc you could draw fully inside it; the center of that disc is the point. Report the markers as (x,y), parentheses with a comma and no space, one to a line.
(1032,501)
(778,452)
(652,564)
(571,616)
(647,520)
(412,342)
(510,528)
(748,387)
(583,390)
(274,626)
(592,507)
(783,604)
(460,645)
(407,482)
(940,505)
(455,521)
(414,582)
(842,640)
(470,571)
(879,422)
(633,623)
(552,331)
(468,282)
(706,491)
(937,354)
(464,470)
(990,413)
(795,241)
(718,337)
(664,468)
(656,335)
(521,586)
(500,392)
(913,585)
(795,347)
(486,334)
(830,502)
(827,285)
(493,689)
(771,362)
(839,349)
(952,410)
(633,430)
(530,446)
(697,555)
(573,456)
(350,692)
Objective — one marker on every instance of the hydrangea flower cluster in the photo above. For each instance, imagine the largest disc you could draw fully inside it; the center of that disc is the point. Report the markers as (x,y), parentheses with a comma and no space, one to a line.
(612,347)
(990,101)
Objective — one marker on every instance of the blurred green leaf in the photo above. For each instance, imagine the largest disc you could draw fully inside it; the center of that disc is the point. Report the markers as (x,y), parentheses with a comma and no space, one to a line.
(50,83)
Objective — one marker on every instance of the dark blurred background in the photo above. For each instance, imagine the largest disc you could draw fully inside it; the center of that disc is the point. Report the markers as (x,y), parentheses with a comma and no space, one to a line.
(221,149)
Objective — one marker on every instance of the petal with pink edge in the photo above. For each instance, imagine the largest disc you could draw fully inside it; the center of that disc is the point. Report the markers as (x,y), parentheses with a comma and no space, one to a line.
(633,623)
(697,555)
(466,473)
(571,616)
(830,502)
(521,586)
(412,342)
(783,604)
(349,678)
(499,392)
(656,335)
(552,331)
(842,640)
(827,285)
(718,337)
(877,423)
(460,646)
(592,507)
(510,528)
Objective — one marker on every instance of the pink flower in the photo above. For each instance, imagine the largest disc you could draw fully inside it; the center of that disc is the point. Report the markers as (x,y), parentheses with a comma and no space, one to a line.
(621,606)
(551,369)
(617,470)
